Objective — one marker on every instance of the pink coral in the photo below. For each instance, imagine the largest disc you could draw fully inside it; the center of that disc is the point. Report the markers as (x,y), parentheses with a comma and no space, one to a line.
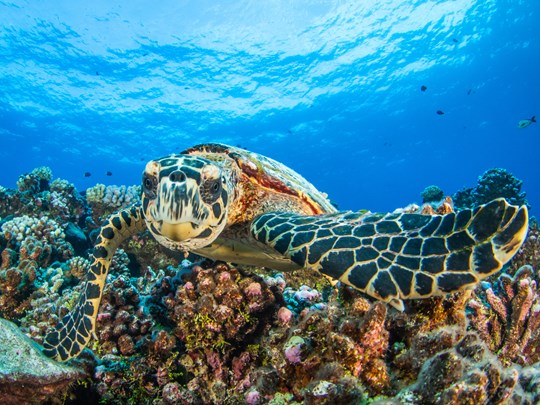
(293,349)
(285,316)
(253,397)
(253,290)
(510,319)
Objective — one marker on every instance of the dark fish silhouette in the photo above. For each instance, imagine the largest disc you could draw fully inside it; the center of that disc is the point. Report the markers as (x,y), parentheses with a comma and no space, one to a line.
(455,40)
(440,112)
(526,123)
(423,88)
(469,92)
(87,174)
(109,173)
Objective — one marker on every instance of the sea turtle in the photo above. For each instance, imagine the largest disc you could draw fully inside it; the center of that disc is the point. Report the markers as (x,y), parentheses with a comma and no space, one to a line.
(229,204)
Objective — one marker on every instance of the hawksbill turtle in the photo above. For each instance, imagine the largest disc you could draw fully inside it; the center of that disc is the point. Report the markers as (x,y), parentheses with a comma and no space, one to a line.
(229,204)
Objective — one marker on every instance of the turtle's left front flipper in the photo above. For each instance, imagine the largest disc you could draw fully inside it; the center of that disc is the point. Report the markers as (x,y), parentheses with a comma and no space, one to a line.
(400,256)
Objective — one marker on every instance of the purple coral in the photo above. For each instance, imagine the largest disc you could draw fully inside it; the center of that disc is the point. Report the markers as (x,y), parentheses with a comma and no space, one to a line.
(293,349)
(253,397)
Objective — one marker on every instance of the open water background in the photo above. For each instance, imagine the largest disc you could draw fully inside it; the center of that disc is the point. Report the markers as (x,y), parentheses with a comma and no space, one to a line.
(330,88)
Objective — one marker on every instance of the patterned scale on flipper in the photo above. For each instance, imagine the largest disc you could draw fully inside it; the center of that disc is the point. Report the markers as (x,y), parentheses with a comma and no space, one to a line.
(76,329)
(400,256)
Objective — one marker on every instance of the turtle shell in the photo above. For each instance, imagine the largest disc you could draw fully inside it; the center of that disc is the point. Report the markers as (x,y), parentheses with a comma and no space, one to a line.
(264,184)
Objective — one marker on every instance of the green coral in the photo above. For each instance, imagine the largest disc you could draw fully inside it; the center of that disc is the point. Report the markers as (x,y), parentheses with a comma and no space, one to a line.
(432,194)
(494,183)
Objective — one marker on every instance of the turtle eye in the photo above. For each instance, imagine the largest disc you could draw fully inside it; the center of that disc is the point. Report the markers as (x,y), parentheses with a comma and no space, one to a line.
(149,186)
(211,190)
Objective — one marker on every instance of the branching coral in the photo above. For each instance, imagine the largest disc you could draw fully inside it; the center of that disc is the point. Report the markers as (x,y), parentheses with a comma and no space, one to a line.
(41,239)
(63,201)
(42,228)
(507,317)
(105,200)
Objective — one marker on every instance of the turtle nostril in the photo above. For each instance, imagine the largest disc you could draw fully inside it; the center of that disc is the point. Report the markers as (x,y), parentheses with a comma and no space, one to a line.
(177,176)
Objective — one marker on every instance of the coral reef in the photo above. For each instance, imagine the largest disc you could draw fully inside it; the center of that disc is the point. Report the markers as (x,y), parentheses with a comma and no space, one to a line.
(173,331)
(19,228)
(35,181)
(494,183)
(37,195)
(31,244)
(464,373)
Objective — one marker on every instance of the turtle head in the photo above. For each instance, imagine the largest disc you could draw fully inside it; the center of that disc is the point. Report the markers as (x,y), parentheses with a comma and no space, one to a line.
(185,200)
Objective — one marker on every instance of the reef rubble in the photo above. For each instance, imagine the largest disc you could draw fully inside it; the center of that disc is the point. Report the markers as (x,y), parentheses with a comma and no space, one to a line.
(177,331)
(27,376)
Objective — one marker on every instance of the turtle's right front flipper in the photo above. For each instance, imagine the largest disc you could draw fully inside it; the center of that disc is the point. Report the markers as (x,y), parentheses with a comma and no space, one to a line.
(400,256)
(75,330)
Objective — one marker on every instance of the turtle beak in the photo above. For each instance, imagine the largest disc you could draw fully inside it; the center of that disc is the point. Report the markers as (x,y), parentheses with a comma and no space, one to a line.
(179,232)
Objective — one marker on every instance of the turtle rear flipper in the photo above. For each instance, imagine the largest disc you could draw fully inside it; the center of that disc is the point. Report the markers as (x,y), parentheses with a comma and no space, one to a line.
(400,256)
(75,330)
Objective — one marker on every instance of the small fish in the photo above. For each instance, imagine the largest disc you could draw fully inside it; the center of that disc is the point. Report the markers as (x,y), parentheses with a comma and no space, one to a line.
(469,92)
(423,88)
(87,174)
(109,173)
(440,112)
(526,123)
(455,40)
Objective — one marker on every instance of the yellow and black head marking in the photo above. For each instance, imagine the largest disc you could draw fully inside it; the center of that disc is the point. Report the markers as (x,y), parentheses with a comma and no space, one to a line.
(185,201)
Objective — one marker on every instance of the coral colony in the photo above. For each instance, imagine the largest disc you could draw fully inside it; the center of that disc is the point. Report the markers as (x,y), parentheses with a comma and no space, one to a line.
(177,331)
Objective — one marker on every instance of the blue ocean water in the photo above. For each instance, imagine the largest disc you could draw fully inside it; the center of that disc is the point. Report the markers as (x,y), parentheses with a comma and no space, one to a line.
(330,88)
